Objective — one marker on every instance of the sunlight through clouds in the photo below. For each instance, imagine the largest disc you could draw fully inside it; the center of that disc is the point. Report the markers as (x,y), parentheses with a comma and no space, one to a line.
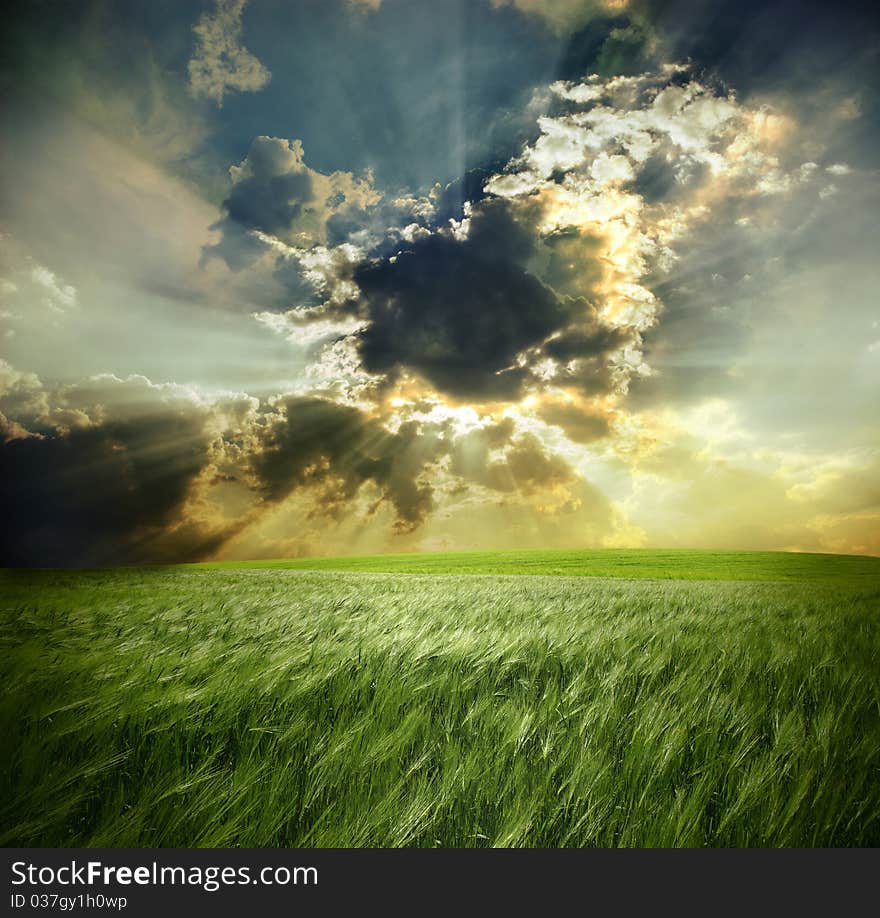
(627,301)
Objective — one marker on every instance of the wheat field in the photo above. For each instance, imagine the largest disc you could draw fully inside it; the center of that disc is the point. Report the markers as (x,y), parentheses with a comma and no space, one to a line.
(273,707)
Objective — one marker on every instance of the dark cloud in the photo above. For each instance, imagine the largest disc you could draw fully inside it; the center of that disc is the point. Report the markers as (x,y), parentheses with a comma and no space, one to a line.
(474,311)
(520,462)
(458,312)
(341,226)
(274,192)
(112,471)
(455,318)
(754,45)
(334,450)
(579,424)
(337,449)
(587,339)
(609,45)
(272,196)
(104,494)
(583,349)
(534,468)
(269,190)
(656,180)
(238,246)
(760,45)
(496,234)
(472,456)
(467,188)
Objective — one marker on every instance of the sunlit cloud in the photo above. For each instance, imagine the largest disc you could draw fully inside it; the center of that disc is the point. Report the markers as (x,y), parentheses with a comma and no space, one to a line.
(221,63)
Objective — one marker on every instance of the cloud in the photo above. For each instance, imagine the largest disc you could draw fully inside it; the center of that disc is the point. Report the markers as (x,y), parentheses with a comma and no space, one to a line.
(221,63)
(102,494)
(546,280)
(473,309)
(852,487)
(440,366)
(58,297)
(24,398)
(108,471)
(338,453)
(581,422)
(335,449)
(276,197)
(601,239)
(631,172)
(112,470)
(350,481)
(498,458)
(567,15)
(456,313)
(30,294)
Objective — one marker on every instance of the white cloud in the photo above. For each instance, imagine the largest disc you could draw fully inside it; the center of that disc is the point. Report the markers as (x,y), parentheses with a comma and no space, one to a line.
(607,169)
(59,297)
(221,63)
(582,168)
(576,92)
(30,294)
(300,327)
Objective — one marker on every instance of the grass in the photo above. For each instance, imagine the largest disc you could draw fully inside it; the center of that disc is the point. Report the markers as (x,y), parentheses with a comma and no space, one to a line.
(255,707)
(629,563)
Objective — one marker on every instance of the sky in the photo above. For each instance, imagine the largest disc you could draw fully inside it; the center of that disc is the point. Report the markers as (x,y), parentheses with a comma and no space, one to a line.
(285,279)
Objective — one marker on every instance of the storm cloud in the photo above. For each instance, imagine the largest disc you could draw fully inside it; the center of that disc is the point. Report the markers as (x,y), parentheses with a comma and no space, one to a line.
(460,312)
(114,471)
(336,448)
(104,494)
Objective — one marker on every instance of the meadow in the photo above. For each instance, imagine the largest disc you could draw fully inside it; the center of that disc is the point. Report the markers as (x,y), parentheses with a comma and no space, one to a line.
(269,706)
(632,563)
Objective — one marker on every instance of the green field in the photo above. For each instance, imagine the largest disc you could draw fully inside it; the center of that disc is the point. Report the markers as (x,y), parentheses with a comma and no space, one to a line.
(261,706)
(629,563)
